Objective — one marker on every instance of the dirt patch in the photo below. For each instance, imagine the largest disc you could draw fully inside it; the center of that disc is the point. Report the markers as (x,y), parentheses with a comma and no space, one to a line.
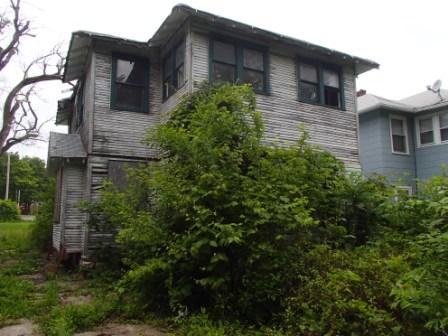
(23,328)
(8,262)
(114,329)
(78,299)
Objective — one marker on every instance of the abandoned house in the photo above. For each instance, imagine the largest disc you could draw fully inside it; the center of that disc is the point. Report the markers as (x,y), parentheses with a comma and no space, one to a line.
(124,87)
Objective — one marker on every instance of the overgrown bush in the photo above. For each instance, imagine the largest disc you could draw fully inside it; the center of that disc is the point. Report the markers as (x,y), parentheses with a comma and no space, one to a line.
(42,228)
(9,211)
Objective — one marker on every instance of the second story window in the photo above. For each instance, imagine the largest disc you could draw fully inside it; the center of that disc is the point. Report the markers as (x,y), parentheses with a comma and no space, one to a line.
(80,105)
(237,62)
(398,130)
(320,84)
(433,129)
(130,82)
(173,70)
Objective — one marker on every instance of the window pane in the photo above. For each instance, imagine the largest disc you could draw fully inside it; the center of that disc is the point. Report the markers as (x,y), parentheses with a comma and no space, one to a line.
(180,76)
(444,134)
(180,55)
(223,72)
(130,96)
(425,125)
(224,52)
(308,73)
(399,143)
(308,91)
(130,72)
(331,97)
(167,66)
(331,78)
(443,120)
(397,127)
(255,78)
(253,59)
(426,137)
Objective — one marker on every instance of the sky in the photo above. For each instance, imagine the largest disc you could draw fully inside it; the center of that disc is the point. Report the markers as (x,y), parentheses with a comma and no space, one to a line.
(407,38)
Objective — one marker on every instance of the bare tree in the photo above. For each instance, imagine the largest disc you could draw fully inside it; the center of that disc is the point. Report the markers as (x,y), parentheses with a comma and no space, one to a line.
(21,121)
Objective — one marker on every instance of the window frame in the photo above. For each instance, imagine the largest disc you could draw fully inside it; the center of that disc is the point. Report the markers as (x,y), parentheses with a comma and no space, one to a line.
(239,66)
(80,105)
(406,137)
(320,67)
(145,87)
(436,129)
(399,191)
(173,84)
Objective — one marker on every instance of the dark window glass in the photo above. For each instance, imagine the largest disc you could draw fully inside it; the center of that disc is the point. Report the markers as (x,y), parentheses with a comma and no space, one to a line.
(426,131)
(320,85)
(131,84)
(235,62)
(173,70)
(253,59)
(224,52)
(224,72)
(443,120)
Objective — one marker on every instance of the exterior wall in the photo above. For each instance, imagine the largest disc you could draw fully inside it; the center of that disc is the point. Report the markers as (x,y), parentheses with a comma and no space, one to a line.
(430,159)
(332,129)
(68,232)
(376,148)
(120,133)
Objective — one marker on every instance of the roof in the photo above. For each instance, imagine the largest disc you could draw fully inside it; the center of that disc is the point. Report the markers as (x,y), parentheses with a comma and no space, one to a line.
(420,102)
(81,41)
(64,146)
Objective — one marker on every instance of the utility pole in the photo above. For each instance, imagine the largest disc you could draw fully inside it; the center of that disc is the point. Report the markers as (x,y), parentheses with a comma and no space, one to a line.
(7,176)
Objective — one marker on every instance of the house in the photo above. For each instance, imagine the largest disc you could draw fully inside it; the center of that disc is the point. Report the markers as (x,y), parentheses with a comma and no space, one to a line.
(404,139)
(124,87)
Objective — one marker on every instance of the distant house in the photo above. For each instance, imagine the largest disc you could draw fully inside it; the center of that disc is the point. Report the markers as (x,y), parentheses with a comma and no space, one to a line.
(124,87)
(404,139)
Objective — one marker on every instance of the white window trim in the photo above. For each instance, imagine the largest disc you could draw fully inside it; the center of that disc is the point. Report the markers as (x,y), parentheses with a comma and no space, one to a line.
(435,128)
(399,189)
(405,126)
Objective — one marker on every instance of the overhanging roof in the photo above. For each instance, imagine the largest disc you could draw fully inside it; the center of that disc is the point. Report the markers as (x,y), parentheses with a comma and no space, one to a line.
(79,48)
(182,12)
(64,146)
(81,41)
(421,102)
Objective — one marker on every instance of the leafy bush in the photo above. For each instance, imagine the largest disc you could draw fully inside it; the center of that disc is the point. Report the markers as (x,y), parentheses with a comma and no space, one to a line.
(9,211)
(42,229)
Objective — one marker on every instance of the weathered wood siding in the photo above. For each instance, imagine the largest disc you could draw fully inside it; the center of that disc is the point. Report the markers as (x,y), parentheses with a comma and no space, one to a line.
(172,101)
(116,132)
(332,129)
(73,217)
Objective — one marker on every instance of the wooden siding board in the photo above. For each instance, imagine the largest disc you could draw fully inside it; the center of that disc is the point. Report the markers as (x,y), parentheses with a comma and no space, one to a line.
(122,132)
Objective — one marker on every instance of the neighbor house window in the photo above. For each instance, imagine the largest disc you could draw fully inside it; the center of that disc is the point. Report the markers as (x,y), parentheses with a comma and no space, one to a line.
(173,70)
(238,62)
(433,129)
(130,82)
(443,122)
(426,131)
(398,130)
(320,84)
(402,192)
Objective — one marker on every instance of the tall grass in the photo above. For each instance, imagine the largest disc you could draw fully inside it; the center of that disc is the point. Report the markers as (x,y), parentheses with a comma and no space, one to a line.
(14,235)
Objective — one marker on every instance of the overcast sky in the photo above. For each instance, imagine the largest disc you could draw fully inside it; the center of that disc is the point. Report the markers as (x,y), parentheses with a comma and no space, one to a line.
(407,38)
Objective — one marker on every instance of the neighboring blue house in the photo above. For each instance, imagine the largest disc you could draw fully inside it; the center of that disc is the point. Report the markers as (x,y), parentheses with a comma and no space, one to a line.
(404,139)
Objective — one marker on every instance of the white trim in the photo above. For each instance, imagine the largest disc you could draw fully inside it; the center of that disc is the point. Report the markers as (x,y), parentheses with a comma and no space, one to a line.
(402,188)
(406,138)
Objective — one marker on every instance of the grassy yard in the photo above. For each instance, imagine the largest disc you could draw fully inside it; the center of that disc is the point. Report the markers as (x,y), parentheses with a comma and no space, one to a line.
(14,235)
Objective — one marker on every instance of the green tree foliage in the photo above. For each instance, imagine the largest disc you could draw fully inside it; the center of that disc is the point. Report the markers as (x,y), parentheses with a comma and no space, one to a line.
(221,219)
(27,175)
(8,211)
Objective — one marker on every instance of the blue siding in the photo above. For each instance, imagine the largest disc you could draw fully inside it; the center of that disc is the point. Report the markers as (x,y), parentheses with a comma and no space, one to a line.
(376,148)
(430,159)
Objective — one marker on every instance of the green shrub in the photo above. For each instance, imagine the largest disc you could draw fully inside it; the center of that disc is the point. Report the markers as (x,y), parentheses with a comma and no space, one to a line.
(42,228)
(9,211)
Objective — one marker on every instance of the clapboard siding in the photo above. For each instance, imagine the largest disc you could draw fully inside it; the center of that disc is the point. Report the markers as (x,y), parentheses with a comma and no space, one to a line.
(118,132)
(74,218)
(331,129)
